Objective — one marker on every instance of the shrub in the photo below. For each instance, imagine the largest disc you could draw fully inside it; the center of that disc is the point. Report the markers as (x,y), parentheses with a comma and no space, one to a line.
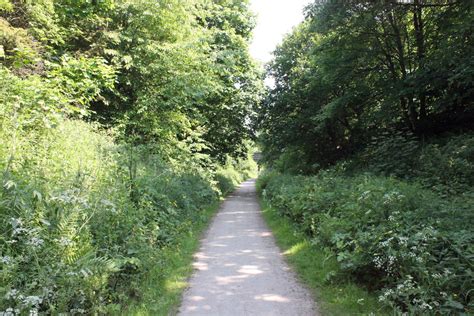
(83,215)
(397,238)
(445,164)
(83,219)
(234,171)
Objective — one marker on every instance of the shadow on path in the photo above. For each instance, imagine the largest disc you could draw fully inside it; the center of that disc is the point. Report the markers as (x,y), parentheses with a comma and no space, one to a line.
(240,270)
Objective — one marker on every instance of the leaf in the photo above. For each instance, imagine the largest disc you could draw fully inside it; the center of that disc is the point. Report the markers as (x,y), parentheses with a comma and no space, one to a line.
(455,304)
(47,223)
(9,185)
(37,196)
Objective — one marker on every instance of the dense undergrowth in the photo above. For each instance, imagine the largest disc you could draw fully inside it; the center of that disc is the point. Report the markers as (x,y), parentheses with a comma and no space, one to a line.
(84,217)
(121,124)
(368,138)
(317,267)
(409,240)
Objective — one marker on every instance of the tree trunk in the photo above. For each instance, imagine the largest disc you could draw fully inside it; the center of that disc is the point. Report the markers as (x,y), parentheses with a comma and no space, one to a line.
(420,49)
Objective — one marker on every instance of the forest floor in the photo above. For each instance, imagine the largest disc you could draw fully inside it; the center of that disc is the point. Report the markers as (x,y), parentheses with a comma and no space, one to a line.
(239,268)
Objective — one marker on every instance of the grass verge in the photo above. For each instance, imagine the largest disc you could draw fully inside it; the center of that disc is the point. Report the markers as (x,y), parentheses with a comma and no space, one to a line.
(165,283)
(319,271)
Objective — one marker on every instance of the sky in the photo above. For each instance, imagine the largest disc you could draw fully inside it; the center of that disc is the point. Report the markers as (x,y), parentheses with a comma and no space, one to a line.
(275,18)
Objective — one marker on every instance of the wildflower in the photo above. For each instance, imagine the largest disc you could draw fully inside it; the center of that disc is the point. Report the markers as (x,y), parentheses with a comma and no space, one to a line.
(32,300)
(403,240)
(426,306)
(64,241)
(12,294)
(10,312)
(33,312)
(5,260)
(16,222)
(36,242)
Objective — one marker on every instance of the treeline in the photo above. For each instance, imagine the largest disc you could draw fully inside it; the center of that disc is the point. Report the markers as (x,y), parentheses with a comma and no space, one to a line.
(355,70)
(120,121)
(375,100)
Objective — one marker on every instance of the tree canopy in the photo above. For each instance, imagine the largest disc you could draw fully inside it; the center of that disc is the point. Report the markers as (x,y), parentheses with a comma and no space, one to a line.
(356,69)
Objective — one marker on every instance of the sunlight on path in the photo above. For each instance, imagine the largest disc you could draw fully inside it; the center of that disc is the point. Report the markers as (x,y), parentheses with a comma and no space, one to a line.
(240,270)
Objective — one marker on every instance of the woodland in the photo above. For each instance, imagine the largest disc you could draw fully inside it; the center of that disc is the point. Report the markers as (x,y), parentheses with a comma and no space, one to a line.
(124,122)
(369,135)
(120,122)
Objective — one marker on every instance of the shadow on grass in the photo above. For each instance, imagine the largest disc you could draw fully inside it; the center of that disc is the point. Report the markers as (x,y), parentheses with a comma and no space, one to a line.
(319,270)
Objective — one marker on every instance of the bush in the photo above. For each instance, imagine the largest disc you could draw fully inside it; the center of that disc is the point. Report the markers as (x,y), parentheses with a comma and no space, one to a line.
(234,172)
(84,217)
(444,164)
(74,230)
(447,166)
(397,238)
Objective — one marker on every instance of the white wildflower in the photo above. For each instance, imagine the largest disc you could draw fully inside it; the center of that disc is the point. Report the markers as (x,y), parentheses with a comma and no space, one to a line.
(36,242)
(10,312)
(426,306)
(12,294)
(5,260)
(64,241)
(33,312)
(32,300)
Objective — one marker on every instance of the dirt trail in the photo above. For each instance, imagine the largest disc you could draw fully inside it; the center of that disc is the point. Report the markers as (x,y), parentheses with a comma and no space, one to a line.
(240,270)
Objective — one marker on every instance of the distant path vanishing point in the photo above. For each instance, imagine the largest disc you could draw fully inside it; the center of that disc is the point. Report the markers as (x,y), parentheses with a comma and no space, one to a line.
(239,268)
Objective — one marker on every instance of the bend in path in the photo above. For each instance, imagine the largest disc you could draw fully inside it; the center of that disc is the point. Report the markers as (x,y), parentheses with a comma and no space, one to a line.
(240,270)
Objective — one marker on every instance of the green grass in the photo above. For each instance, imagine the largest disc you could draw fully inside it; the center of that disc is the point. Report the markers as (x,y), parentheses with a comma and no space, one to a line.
(165,283)
(313,265)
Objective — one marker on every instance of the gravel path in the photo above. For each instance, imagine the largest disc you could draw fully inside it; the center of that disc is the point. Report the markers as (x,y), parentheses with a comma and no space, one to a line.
(240,270)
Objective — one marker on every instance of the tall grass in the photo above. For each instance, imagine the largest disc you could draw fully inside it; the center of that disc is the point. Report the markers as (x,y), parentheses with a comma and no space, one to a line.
(84,218)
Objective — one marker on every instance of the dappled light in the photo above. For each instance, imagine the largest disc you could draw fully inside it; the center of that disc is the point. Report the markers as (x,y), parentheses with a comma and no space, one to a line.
(244,271)
(129,127)
(295,249)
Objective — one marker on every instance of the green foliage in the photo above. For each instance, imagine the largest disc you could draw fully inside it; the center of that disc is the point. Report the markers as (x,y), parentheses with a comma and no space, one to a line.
(234,172)
(412,247)
(67,199)
(82,80)
(352,72)
(5,5)
(107,154)
(318,268)
(19,49)
(444,165)
(374,91)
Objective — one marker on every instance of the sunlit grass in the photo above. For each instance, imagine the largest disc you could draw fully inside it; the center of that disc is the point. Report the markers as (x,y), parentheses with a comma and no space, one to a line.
(319,271)
(165,283)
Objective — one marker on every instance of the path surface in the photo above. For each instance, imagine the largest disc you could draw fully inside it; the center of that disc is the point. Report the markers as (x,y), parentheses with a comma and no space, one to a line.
(240,270)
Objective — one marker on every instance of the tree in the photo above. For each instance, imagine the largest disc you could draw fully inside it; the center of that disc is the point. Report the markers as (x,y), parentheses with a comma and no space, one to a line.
(357,68)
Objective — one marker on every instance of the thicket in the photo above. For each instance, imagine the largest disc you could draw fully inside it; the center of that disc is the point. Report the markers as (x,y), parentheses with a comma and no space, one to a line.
(356,70)
(405,242)
(373,103)
(120,121)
